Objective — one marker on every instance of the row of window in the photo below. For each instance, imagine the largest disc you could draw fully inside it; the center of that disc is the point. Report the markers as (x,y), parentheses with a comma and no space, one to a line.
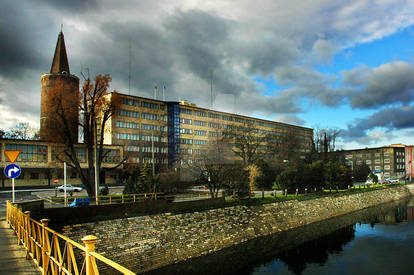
(147,160)
(134,114)
(132,125)
(368,155)
(128,136)
(30,153)
(145,104)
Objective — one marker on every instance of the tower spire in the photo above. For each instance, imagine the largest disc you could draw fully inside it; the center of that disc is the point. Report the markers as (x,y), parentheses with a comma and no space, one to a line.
(60,62)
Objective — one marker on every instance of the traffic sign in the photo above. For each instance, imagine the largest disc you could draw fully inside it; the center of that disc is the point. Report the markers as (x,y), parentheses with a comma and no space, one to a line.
(55,181)
(12,155)
(12,171)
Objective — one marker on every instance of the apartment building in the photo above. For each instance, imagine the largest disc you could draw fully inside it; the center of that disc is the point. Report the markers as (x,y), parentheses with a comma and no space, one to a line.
(386,162)
(162,131)
(409,161)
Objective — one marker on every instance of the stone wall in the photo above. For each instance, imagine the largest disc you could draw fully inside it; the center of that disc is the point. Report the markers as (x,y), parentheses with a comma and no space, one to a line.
(149,242)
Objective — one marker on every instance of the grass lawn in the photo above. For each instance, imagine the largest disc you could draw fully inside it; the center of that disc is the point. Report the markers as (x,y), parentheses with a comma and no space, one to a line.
(314,195)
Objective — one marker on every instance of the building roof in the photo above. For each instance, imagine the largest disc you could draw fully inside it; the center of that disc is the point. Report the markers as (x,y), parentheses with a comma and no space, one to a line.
(60,62)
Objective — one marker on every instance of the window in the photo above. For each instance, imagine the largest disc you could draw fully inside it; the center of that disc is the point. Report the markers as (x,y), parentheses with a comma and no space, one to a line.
(240,120)
(229,127)
(186,141)
(368,155)
(212,115)
(359,162)
(163,128)
(163,118)
(200,123)
(213,134)
(127,136)
(32,153)
(200,113)
(387,174)
(386,154)
(368,161)
(377,161)
(200,133)
(163,139)
(149,138)
(149,116)
(200,142)
(186,131)
(387,167)
(186,121)
(359,155)
(386,160)
(111,155)
(149,127)
(214,125)
(187,151)
(133,148)
(348,156)
(128,113)
(377,155)
(131,102)
(228,118)
(149,105)
(377,168)
(199,151)
(124,124)
(186,111)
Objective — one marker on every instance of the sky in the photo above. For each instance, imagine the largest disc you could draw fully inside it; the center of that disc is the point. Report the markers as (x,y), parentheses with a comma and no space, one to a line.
(322,64)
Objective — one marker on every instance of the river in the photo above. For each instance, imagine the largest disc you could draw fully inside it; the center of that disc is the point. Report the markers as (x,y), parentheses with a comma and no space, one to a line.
(378,240)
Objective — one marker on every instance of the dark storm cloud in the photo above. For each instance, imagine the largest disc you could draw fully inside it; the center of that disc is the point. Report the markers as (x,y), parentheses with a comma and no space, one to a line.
(19,45)
(395,118)
(375,87)
(71,5)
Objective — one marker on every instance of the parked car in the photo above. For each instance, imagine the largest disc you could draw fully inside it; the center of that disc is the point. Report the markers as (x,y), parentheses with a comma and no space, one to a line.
(69,188)
(384,181)
(393,180)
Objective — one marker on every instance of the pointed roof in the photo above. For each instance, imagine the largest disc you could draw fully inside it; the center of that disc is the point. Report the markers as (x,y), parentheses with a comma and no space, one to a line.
(60,62)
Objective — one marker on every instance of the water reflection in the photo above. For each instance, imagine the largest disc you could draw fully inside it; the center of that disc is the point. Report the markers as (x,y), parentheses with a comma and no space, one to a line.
(377,240)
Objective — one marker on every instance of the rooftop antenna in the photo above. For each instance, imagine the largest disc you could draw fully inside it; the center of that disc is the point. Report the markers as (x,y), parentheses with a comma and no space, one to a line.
(211,88)
(163,93)
(155,91)
(129,72)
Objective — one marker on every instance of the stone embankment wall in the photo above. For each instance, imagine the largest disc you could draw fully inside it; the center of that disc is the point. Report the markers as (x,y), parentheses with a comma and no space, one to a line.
(149,242)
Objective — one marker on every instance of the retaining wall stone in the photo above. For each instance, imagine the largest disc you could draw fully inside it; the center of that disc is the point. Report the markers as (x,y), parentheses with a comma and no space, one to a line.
(149,242)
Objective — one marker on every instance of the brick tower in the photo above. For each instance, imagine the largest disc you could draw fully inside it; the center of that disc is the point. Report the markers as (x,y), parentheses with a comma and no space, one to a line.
(59,94)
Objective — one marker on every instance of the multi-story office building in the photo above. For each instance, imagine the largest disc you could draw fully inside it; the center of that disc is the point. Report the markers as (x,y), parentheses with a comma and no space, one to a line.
(387,161)
(171,129)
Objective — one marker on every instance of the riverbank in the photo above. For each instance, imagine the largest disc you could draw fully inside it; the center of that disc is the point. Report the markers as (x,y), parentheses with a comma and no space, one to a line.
(150,242)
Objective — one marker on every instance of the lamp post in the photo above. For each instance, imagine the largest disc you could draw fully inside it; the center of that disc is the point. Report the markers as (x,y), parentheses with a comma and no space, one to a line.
(95,163)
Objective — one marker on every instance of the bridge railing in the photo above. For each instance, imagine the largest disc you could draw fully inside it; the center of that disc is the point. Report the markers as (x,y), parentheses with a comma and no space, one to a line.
(54,253)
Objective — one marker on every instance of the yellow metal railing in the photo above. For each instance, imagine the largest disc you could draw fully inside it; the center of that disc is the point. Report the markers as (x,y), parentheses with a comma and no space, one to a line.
(44,247)
(109,199)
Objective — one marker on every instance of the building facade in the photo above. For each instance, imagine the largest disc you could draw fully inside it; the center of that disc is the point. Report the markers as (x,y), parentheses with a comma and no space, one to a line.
(409,162)
(386,162)
(40,165)
(161,131)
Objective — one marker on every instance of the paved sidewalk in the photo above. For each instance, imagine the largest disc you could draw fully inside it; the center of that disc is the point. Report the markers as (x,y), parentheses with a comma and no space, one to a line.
(13,256)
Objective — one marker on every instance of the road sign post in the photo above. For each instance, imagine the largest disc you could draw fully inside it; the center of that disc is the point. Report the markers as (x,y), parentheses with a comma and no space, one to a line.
(12,170)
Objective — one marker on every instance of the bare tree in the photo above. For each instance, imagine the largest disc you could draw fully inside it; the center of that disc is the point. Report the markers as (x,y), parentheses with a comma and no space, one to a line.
(96,106)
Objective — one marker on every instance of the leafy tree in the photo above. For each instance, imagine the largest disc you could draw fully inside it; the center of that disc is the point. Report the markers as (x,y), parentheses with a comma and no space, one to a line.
(361,172)
(96,106)
(267,176)
(237,181)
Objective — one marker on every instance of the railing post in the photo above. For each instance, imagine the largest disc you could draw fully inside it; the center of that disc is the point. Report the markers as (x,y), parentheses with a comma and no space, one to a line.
(45,257)
(89,242)
(27,233)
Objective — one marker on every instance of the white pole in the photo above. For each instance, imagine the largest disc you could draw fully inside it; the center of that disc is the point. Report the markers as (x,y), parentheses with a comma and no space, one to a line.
(96,165)
(13,188)
(64,182)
